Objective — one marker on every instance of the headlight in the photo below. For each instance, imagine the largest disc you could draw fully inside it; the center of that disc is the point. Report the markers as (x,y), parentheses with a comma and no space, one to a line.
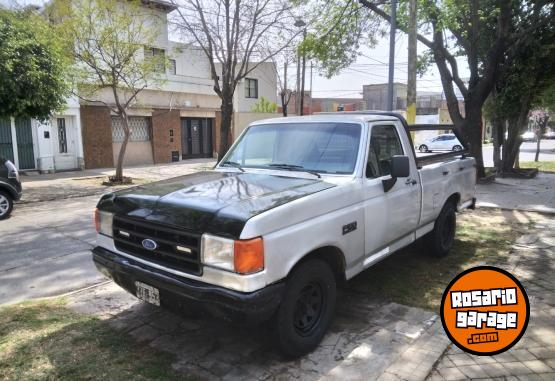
(240,256)
(103,222)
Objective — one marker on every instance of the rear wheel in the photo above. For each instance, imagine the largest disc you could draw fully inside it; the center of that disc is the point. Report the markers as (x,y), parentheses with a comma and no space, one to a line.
(6,205)
(307,308)
(441,239)
(457,148)
(423,148)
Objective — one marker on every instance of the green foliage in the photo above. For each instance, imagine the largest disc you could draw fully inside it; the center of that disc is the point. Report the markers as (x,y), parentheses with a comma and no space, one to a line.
(108,41)
(341,28)
(264,105)
(33,80)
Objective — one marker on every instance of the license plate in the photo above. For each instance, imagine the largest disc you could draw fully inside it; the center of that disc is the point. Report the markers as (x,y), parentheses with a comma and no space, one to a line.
(148,293)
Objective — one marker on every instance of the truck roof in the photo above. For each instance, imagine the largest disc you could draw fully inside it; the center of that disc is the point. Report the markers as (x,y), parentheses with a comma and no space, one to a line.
(346,117)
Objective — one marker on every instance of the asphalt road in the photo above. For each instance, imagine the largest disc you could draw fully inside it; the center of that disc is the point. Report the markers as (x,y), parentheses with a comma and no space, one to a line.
(45,246)
(45,249)
(527,152)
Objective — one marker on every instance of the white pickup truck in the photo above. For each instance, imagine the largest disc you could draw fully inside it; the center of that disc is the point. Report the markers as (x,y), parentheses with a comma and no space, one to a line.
(296,207)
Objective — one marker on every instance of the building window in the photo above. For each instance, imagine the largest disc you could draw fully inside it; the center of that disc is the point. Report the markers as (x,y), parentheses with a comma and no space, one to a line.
(139,126)
(251,88)
(172,67)
(62,136)
(158,55)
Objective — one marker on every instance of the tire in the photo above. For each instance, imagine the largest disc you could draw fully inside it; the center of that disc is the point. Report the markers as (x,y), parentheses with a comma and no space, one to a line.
(299,329)
(440,240)
(423,148)
(6,205)
(457,148)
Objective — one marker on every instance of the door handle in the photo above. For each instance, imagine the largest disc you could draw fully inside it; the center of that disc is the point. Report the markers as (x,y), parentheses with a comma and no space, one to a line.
(445,173)
(410,181)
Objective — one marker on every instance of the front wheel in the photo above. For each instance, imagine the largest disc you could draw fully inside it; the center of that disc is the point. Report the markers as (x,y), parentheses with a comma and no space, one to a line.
(441,239)
(457,148)
(6,205)
(423,148)
(307,308)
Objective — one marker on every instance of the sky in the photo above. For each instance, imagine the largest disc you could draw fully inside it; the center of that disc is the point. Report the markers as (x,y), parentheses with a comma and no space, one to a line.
(370,68)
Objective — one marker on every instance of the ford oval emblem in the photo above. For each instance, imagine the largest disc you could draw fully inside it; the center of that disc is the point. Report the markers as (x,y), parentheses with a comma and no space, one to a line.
(149,244)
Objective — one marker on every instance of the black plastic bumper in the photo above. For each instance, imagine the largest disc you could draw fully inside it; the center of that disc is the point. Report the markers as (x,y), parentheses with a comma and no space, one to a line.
(180,293)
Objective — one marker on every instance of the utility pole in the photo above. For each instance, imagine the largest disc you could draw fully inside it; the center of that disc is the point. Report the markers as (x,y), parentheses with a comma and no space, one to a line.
(303,75)
(411,80)
(311,95)
(298,87)
(284,90)
(391,55)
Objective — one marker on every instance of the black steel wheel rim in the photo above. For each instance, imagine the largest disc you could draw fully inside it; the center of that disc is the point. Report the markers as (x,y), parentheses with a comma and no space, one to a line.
(309,308)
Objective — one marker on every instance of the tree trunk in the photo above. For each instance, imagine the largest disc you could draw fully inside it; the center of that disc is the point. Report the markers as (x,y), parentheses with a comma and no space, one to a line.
(121,155)
(538,147)
(511,146)
(471,131)
(225,127)
(283,104)
(515,127)
(498,137)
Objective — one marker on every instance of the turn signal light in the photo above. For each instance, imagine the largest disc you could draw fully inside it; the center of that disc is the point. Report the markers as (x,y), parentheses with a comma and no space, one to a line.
(97,220)
(249,255)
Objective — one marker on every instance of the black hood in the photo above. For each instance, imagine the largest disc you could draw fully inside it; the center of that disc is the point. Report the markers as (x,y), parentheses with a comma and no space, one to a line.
(211,201)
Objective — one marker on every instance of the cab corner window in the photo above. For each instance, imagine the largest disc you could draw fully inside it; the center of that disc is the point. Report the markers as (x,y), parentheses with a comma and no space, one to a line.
(384,143)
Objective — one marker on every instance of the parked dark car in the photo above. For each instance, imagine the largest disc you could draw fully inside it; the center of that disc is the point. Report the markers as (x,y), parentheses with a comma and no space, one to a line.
(10,187)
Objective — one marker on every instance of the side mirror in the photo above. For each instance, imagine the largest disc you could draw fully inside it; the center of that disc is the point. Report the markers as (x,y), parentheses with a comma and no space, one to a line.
(400,167)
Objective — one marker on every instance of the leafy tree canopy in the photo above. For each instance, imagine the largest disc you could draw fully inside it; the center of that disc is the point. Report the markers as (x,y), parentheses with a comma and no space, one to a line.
(340,28)
(32,66)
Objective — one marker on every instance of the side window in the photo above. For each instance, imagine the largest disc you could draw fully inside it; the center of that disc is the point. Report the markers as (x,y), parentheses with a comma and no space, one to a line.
(384,143)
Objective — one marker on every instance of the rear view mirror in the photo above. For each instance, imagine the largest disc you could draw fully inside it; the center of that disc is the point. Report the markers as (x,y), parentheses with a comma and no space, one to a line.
(400,166)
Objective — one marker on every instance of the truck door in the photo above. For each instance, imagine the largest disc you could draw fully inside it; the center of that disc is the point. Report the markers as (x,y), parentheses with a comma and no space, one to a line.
(392,215)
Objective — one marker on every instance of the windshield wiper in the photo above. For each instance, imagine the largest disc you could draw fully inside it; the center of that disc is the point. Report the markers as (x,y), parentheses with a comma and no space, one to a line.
(293,167)
(233,164)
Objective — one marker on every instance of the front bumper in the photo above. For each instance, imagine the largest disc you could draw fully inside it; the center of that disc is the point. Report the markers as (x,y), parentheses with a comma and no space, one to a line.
(178,293)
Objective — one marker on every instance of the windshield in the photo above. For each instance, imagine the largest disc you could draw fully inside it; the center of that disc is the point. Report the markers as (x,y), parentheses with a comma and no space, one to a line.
(317,147)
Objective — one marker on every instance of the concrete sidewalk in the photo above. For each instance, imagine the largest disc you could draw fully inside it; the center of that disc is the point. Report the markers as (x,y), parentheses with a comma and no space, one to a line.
(49,187)
(537,194)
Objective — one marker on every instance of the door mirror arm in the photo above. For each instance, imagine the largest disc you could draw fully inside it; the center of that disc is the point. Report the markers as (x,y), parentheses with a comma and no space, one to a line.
(388,183)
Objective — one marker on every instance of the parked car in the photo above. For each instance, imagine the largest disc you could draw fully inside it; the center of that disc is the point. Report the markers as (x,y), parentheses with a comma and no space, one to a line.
(10,187)
(444,142)
(528,136)
(297,206)
(549,135)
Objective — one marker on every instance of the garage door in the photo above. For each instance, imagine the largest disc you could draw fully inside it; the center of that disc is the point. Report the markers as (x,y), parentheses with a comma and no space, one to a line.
(6,148)
(139,148)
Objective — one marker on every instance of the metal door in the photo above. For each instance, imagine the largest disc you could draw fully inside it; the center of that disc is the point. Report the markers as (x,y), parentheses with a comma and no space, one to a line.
(64,144)
(6,146)
(24,137)
(196,137)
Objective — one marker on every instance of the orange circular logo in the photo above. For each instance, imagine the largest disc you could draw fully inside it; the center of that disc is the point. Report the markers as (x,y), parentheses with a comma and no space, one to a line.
(485,310)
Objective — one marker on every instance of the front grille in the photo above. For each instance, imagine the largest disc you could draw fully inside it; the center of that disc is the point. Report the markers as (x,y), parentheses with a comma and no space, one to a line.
(172,249)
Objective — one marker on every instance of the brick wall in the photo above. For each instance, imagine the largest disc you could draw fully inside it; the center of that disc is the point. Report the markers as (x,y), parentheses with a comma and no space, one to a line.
(162,145)
(96,127)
